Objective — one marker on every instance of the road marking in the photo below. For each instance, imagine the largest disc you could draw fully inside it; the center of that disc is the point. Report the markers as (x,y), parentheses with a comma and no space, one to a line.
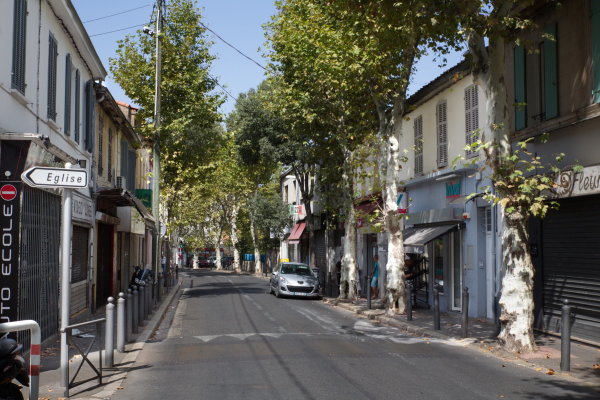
(244,336)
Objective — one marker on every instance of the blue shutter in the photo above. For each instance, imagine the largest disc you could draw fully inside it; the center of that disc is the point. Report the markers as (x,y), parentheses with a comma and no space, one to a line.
(550,72)
(596,50)
(68,95)
(52,61)
(19,39)
(90,115)
(77,105)
(520,89)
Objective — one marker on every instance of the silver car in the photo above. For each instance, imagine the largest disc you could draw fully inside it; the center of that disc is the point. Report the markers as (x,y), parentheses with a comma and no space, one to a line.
(293,279)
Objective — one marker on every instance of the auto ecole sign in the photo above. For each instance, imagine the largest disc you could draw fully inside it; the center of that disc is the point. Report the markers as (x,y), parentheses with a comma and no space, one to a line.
(55,177)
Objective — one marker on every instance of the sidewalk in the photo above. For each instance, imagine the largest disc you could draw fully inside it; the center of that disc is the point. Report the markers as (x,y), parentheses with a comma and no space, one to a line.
(585,359)
(89,388)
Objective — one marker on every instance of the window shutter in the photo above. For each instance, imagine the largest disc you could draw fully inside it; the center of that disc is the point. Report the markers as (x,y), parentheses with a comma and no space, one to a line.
(77,105)
(52,60)
(19,40)
(90,102)
(418,130)
(109,155)
(442,133)
(550,72)
(596,50)
(520,90)
(100,139)
(471,118)
(68,95)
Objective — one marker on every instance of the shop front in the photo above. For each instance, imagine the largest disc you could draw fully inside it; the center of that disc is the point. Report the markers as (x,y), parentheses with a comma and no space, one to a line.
(564,248)
(83,218)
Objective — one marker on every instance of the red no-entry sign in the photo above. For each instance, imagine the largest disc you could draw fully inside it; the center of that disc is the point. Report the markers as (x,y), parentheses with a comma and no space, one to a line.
(8,192)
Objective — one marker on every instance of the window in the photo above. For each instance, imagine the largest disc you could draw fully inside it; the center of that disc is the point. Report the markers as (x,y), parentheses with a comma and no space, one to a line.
(520,89)
(100,139)
(418,129)
(52,61)
(68,68)
(77,105)
(442,134)
(549,72)
(471,118)
(19,31)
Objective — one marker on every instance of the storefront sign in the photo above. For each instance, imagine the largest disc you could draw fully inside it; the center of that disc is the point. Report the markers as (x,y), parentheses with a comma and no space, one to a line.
(402,203)
(9,251)
(452,189)
(572,184)
(83,208)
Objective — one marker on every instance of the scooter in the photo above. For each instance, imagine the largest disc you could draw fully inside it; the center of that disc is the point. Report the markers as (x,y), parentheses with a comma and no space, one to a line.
(12,366)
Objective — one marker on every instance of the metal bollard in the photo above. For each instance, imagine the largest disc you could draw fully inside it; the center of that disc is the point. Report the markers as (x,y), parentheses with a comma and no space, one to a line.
(121,323)
(135,312)
(409,306)
(436,309)
(368,286)
(129,315)
(565,337)
(141,306)
(191,283)
(329,285)
(109,344)
(465,312)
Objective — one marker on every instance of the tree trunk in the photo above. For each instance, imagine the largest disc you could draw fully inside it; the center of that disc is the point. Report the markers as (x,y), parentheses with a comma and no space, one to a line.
(234,239)
(516,301)
(349,273)
(254,234)
(349,277)
(395,280)
(217,241)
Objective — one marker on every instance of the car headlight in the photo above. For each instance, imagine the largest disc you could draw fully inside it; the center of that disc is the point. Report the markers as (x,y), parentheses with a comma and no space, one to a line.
(282,279)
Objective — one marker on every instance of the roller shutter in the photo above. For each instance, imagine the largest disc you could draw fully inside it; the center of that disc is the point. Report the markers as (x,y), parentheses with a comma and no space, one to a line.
(571,266)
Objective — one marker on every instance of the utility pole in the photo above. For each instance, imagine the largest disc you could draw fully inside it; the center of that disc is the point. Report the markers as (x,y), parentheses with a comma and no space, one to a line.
(156,147)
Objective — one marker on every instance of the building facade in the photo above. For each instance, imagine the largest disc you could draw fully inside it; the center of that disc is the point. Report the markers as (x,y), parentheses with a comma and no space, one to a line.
(47,119)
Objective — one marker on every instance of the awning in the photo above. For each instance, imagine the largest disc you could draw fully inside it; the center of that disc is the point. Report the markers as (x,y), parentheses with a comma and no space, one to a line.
(419,237)
(294,237)
(123,198)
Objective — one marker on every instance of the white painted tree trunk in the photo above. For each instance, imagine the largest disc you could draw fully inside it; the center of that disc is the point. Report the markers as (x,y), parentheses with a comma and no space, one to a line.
(349,276)
(349,272)
(217,242)
(234,238)
(254,234)
(516,301)
(395,280)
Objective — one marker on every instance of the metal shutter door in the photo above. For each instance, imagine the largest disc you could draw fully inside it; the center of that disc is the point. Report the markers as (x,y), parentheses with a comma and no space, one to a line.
(571,265)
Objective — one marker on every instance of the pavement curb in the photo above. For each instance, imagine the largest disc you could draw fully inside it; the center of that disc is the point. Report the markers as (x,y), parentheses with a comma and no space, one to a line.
(479,345)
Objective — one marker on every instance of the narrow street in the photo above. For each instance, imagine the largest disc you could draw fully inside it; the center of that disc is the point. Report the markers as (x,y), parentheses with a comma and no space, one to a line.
(229,339)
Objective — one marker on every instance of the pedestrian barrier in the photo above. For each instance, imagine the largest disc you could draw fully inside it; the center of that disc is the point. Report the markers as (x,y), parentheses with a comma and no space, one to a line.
(129,317)
(84,354)
(34,351)
(565,337)
(121,323)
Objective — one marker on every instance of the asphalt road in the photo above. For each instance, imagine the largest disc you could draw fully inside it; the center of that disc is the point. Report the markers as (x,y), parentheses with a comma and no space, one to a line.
(229,339)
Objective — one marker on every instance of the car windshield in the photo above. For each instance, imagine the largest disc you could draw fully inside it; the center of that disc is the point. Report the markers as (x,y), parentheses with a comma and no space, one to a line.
(297,269)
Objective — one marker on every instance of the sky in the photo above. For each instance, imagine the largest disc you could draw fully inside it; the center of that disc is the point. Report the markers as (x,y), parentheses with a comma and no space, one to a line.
(239,22)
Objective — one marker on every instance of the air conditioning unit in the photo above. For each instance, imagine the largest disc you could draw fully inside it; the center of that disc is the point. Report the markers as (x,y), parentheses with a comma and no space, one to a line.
(121,182)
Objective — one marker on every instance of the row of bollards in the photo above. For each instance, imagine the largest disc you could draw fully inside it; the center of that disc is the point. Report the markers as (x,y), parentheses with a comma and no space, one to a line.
(132,310)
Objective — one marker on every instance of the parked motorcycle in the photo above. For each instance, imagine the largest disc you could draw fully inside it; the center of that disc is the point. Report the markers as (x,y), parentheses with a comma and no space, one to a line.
(12,366)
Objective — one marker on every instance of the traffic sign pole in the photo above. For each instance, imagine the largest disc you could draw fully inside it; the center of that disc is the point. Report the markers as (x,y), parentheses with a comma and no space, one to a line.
(65,297)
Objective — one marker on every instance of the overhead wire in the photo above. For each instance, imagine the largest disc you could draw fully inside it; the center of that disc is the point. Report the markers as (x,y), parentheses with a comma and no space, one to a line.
(115,14)
(117,30)
(232,46)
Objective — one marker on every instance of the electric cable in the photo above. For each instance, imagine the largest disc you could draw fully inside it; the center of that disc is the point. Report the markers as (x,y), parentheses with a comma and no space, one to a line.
(117,30)
(219,85)
(112,15)
(232,46)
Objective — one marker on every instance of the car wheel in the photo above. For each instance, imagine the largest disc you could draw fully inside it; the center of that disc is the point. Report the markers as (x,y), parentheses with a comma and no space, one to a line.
(270,288)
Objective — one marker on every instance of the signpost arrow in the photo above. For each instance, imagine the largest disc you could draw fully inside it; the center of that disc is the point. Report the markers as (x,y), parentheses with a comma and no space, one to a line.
(55,177)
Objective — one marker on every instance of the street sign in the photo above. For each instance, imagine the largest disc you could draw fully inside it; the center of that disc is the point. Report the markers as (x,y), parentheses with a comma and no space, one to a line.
(8,192)
(55,177)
